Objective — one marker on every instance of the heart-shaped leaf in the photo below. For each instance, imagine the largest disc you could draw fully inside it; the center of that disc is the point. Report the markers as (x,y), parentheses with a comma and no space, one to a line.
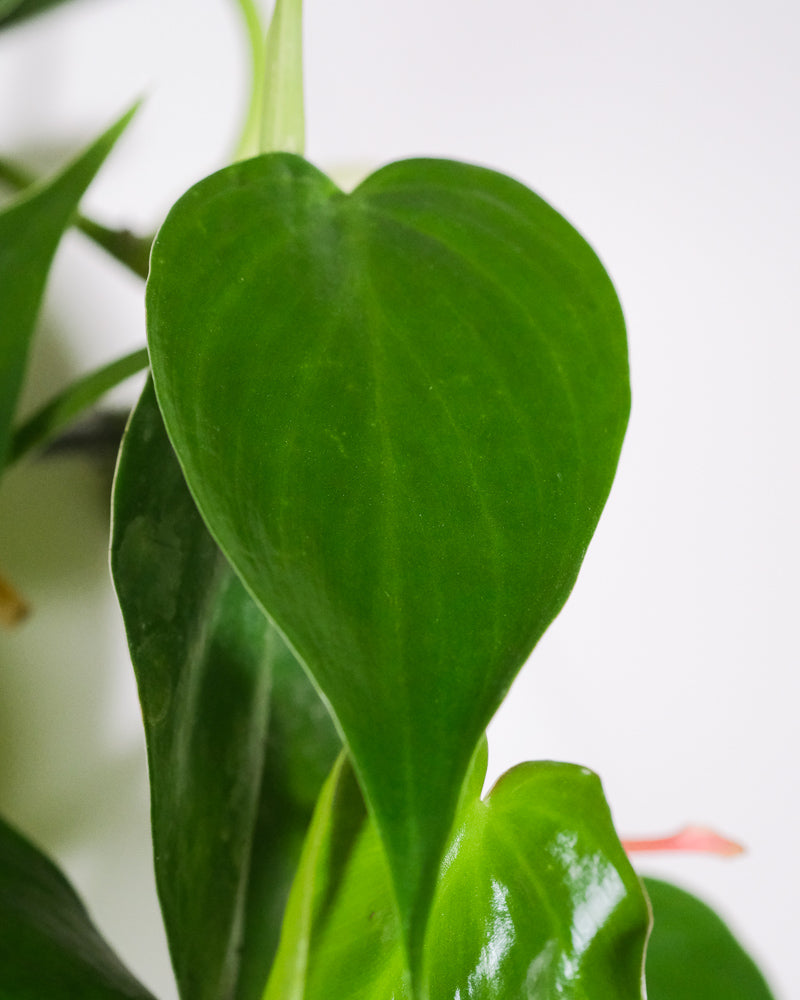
(399,412)
(49,948)
(692,955)
(30,230)
(238,741)
(535,898)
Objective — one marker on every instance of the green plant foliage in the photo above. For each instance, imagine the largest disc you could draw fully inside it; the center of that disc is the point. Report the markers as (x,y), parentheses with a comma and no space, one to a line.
(57,414)
(692,955)
(7,7)
(400,412)
(238,741)
(30,230)
(129,249)
(535,898)
(49,948)
(381,429)
(14,11)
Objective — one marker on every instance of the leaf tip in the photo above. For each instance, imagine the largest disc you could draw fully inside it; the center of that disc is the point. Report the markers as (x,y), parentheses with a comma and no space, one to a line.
(695,839)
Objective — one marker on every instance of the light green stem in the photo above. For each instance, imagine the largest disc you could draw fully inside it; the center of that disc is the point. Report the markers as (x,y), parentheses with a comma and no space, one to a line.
(249,140)
(283,116)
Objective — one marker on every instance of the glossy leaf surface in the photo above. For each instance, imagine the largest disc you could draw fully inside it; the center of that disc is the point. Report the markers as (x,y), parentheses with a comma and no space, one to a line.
(400,412)
(692,954)
(535,898)
(30,230)
(238,741)
(49,947)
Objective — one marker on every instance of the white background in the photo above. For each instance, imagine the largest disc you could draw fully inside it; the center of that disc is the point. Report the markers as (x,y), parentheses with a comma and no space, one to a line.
(668,133)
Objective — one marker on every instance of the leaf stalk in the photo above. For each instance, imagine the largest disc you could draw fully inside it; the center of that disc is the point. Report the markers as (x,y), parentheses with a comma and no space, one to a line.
(283,113)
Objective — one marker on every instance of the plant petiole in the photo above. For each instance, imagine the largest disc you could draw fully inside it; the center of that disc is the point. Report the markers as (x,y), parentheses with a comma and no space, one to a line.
(282,112)
(249,140)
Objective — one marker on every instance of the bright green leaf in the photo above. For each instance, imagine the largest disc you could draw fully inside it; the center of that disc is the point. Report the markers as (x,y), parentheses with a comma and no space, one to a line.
(343,879)
(239,743)
(400,412)
(692,955)
(49,948)
(341,934)
(535,898)
(30,230)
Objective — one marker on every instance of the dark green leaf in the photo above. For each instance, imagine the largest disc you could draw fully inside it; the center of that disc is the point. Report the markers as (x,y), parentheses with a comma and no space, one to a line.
(692,955)
(302,744)
(49,948)
(30,230)
(7,8)
(400,412)
(535,898)
(238,741)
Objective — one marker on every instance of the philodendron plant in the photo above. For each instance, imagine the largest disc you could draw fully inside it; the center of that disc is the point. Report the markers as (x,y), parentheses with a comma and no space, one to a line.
(376,438)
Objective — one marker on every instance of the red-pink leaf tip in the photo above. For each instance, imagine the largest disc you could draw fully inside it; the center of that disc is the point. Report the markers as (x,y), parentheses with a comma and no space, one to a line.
(690,838)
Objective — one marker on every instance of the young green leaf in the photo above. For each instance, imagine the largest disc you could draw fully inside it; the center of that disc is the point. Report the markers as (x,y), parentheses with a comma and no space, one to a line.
(400,412)
(692,955)
(49,948)
(534,898)
(343,877)
(239,743)
(30,230)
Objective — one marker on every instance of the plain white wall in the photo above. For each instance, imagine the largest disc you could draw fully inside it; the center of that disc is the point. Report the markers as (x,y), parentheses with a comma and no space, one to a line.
(668,134)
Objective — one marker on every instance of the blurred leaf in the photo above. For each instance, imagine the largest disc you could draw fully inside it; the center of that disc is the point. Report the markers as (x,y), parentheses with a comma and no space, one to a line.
(14,11)
(49,948)
(238,741)
(30,230)
(535,898)
(129,249)
(7,8)
(61,411)
(692,955)
(400,413)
